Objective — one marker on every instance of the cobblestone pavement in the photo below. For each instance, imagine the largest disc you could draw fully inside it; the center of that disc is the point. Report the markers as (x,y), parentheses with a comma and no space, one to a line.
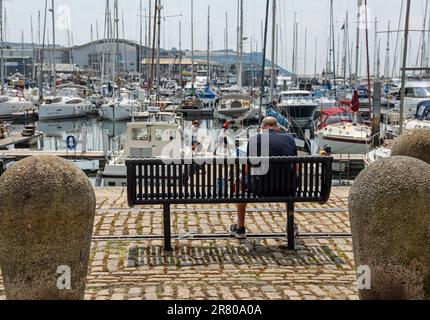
(126,268)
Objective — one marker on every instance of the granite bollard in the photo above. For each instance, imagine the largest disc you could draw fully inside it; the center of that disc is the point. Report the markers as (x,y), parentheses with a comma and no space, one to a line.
(47,209)
(390,221)
(415,144)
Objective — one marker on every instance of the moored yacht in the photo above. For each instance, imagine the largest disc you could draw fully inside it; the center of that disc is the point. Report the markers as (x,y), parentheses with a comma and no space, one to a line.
(422,117)
(13,102)
(300,108)
(64,107)
(159,137)
(236,106)
(344,132)
(120,108)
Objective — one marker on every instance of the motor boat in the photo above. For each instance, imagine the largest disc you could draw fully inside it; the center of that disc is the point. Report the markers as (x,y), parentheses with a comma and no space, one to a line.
(344,131)
(159,137)
(66,105)
(421,121)
(236,106)
(300,108)
(12,102)
(415,92)
(422,117)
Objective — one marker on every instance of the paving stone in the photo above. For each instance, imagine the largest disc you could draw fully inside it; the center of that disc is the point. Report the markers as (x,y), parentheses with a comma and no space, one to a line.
(218,269)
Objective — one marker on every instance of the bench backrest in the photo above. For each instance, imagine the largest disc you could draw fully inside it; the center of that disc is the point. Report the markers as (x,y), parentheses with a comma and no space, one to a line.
(193,181)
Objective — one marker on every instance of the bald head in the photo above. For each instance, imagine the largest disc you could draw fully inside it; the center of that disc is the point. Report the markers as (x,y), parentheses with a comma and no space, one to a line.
(270,123)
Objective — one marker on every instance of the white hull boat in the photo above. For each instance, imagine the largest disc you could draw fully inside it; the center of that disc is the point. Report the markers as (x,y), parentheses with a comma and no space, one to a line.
(11,105)
(64,108)
(120,110)
(344,132)
(143,140)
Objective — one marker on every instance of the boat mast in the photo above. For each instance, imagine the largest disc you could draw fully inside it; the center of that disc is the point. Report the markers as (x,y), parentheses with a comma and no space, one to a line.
(345,48)
(423,35)
(1,49)
(158,8)
(316,57)
(39,42)
(139,61)
(397,40)
(22,53)
(368,61)
(42,54)
(333,46)
(405,55)
(180,54)
(387,54)
(428,46)
(264,59)
(294,46)
(305,53)
(151,77)
(375,52)
(118,74)
(272,70)
(226,48)
(33,49)
(54,64)
(357,44)
(209,45)
(125,68)
(192,47)
(105,36)
(240,72)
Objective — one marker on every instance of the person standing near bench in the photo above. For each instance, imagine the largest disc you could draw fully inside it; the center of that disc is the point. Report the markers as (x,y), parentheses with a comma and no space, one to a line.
(280,145)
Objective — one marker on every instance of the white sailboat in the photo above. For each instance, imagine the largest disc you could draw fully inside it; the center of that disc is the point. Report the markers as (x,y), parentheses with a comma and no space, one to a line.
(12,102)
(343,133)
(64,107)
(120,108)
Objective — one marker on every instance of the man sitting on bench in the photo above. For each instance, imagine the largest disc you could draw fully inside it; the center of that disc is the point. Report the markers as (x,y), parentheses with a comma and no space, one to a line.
(279,145)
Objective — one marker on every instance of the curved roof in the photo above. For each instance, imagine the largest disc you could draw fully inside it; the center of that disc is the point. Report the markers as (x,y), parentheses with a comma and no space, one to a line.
(97,42)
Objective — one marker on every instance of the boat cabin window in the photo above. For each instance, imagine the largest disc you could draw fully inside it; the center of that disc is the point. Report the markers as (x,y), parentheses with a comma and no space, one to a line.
(421,92)
(140,134)
(74,102)
(164,135)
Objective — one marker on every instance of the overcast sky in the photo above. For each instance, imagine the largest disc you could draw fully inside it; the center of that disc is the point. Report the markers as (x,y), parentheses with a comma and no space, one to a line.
(311,14)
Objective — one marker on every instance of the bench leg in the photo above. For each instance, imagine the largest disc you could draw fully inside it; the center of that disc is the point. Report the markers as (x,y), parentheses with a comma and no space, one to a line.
(167,228)
(290,227)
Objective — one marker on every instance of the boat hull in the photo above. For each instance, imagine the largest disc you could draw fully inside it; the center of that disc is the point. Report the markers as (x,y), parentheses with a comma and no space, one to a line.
(344,146)
(8,109)
(52,112)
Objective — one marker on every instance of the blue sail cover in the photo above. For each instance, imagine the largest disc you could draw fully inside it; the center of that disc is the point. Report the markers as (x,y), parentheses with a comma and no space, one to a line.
(207,94)
(423,110)
(272,112)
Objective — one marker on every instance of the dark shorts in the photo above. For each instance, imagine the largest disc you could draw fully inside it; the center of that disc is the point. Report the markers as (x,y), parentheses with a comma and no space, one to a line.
(255,185)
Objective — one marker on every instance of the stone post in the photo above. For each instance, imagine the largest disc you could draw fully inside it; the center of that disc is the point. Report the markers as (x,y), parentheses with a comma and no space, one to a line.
(390,221)
(47,208)
(413,143)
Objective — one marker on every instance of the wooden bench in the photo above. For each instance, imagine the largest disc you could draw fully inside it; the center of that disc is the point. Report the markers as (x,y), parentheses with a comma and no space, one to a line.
(169,182)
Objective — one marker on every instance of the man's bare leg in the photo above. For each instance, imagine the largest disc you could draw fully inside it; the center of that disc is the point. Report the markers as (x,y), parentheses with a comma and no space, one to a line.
(241,213)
